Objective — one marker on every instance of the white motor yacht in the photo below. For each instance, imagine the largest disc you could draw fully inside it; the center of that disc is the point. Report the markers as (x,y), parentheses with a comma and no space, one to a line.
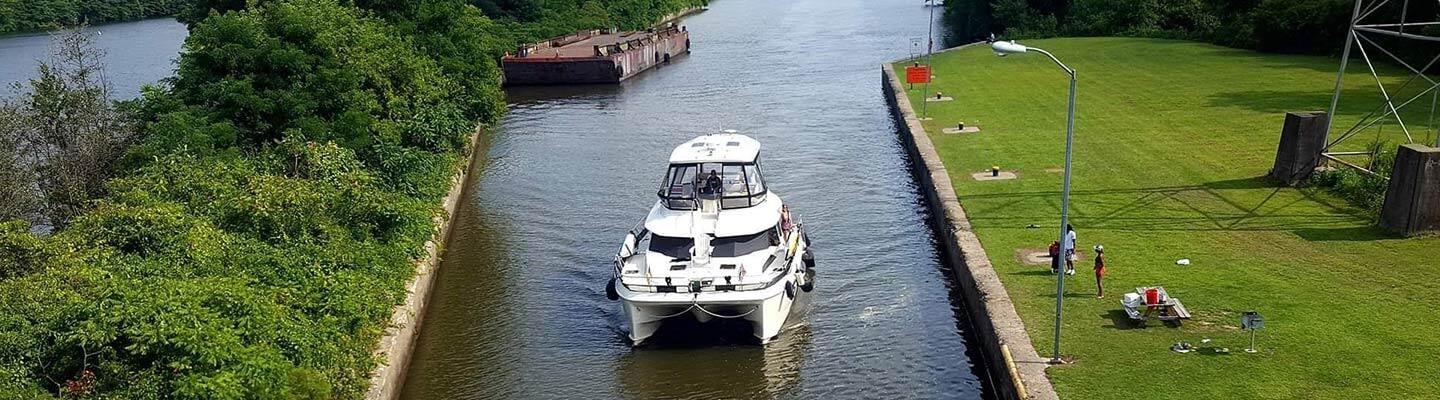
(717,244)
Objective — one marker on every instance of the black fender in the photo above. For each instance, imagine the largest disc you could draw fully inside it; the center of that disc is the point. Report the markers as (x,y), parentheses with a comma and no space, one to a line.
(610,292)
(809,259)
(790,290)
(809,284)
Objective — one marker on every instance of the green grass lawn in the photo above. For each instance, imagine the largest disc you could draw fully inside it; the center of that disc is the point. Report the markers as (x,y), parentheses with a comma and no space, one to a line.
(1172,139)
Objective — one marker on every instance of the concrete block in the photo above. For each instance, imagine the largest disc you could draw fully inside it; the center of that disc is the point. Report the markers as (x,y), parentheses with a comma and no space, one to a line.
(968,129)
(986,176)
(1301,141)
(933,99)
(1412,203)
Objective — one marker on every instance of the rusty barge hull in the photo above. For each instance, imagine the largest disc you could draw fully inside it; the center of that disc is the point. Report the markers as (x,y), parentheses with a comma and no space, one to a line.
(594,57)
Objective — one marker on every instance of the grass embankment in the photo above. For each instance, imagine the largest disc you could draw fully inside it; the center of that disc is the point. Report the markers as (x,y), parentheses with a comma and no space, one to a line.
(1172,139)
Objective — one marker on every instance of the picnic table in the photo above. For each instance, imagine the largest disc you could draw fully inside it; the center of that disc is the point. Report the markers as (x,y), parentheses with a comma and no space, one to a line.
(1168,309)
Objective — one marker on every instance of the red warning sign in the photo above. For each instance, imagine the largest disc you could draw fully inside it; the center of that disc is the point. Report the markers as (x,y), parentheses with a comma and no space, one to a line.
(917,74)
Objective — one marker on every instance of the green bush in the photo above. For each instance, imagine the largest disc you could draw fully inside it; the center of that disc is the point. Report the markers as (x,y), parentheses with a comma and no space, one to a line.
(260,235)
(1366,191)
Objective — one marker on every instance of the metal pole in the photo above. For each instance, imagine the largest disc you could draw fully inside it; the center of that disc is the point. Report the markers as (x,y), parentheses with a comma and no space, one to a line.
(1065,215)
(929,52)
(1340,76)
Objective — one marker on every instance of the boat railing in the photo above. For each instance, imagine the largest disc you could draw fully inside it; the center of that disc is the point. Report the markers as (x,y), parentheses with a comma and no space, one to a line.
(714,283)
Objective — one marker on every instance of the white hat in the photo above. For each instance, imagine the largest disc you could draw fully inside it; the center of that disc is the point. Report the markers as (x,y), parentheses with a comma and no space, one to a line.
(1099,248)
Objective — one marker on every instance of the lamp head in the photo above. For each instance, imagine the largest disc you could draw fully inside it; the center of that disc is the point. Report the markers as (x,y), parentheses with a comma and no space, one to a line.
(1003,48)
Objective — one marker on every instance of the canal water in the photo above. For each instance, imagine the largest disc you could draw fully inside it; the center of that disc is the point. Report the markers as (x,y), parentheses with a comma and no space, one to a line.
(519,310)
(136,53)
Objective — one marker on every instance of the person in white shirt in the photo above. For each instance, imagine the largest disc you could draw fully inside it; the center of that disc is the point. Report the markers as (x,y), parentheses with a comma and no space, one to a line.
(1070,249)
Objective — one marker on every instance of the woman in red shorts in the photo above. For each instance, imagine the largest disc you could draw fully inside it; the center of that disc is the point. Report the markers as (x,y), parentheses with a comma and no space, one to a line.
(1099,271)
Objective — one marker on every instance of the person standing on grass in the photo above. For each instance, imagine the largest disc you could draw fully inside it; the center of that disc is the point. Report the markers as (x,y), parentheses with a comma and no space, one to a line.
(1070,249)
(1055,257)
(1099,271)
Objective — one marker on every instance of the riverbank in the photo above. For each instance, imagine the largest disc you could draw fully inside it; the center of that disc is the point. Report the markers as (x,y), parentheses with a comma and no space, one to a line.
(1017,371)
(24,17)
(1171,140)
(398,343)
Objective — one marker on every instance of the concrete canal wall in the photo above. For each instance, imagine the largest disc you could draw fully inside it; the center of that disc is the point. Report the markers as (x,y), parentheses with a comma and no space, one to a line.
(399,340)
(1018,371)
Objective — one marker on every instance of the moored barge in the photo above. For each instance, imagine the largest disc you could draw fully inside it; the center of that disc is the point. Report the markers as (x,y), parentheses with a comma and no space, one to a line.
(594,56)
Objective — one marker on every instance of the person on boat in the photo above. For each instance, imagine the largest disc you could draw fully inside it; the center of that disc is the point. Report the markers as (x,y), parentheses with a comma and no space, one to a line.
(1099,271)
(785,222)
(713,184)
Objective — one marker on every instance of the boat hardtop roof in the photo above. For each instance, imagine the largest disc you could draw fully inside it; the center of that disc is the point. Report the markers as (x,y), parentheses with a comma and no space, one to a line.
(724,147)
(765,215)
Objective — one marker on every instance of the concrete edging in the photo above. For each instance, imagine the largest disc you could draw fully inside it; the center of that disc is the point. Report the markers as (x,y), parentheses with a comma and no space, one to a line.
(993,315)
(398,343)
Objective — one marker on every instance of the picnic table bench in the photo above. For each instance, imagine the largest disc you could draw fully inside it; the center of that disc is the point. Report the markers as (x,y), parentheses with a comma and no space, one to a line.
(1169,309)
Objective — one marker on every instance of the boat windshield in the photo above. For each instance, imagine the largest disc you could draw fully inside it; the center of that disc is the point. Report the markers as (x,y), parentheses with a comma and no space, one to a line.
(737,185)
(736,246)
(674,247)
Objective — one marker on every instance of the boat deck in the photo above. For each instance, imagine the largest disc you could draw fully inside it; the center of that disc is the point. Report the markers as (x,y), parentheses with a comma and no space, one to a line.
(584,47)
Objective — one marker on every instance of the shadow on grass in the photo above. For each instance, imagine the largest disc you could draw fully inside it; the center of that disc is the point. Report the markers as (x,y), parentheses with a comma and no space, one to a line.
(1276,101)
(1120,321)
(1351,234)
(1068,295)
(1359,101)
(1034,272)
(1227,205)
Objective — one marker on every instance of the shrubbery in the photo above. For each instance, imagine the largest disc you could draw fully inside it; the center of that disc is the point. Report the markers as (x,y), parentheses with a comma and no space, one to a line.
(1365,191)
(263,229)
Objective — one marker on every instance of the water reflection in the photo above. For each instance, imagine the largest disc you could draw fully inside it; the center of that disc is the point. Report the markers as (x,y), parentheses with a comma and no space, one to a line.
(691,361)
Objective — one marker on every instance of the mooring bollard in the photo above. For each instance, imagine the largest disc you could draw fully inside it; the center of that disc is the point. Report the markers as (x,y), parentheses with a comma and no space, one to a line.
(995,170)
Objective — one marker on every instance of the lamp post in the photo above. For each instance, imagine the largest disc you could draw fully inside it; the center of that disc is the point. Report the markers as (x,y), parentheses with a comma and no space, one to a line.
(1005,48)
(929,55)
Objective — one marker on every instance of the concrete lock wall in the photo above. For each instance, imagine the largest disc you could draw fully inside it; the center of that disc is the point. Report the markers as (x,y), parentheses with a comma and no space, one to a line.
(1412,202)
(1016,370)
(399,340)
(1301,141)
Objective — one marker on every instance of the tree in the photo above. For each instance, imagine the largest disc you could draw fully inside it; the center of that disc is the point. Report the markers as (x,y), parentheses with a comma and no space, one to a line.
(16,195)
(68,133)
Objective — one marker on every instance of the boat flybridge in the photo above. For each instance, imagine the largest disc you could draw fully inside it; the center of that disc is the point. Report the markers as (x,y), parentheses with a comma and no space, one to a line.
(717,244)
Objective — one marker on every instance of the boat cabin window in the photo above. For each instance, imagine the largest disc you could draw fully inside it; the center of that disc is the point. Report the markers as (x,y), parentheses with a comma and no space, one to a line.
(674,247)
(736,246)
(737,185)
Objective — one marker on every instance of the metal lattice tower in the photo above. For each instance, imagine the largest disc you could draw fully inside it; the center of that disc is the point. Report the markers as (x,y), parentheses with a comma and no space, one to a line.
(1369,27)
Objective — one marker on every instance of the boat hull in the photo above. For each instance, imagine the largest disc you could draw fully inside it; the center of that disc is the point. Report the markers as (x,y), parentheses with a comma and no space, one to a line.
(766,310)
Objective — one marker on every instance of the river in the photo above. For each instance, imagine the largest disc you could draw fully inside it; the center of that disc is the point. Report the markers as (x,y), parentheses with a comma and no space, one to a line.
(519,309)
(136,53)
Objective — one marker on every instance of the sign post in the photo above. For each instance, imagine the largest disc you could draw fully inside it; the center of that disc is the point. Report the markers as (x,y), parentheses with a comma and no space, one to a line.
(1251,321)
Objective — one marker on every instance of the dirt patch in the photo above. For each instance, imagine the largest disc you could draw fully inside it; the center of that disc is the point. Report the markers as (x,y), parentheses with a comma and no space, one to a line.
(1033,256)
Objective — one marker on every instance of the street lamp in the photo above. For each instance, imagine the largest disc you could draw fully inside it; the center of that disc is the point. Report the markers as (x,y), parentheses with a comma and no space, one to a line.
(1002,49)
